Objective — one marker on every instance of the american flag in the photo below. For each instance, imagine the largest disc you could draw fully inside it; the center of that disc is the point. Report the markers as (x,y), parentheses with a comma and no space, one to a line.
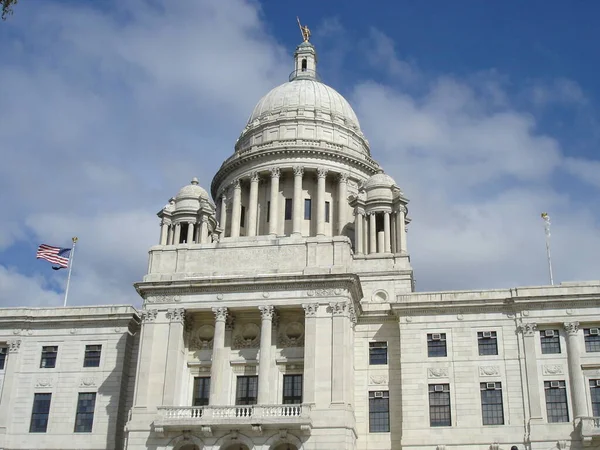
(56,255)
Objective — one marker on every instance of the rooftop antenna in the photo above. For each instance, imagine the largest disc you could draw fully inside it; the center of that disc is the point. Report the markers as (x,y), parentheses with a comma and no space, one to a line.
(546,219)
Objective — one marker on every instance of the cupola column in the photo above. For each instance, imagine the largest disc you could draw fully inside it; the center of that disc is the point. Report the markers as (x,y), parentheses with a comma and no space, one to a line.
(164,229)
(190,233)
(223,219)
(273,210)
(386,232)
(372,233)
(358,231)
(177,233)
(171,234)
(401,224)
(264,357)
(342,201)
(236,212)
(253,199)
(321,178)
(297,215)
(394,235)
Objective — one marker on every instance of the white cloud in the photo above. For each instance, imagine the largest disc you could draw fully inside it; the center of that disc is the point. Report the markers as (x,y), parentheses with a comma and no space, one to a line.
(557,91)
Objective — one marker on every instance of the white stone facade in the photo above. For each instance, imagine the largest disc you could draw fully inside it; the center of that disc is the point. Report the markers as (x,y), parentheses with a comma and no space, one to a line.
(283,317)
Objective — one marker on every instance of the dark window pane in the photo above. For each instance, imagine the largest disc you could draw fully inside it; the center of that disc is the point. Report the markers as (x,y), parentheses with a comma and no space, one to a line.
(307,209)
(292,389)
(49,357)
(268,211)
(487,342)
(379,412)
(2,357)
(288,209)
(491,404)
(84,418)
(439,405)
(550,341)
(595,396)
(201,391)
(556,401)
(327,211)
(592,339)
(377,353)
(39,413)
(92,356)
(436,345)
(243,216)
(247,390)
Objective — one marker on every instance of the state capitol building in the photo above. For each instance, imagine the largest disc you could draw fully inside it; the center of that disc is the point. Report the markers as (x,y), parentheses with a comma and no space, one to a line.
(279,313)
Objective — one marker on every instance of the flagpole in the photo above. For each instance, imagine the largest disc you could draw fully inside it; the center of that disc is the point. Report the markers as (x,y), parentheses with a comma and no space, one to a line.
(546,218)
(71,258)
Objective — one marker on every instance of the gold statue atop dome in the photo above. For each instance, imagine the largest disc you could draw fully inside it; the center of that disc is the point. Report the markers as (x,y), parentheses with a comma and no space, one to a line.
(304,30)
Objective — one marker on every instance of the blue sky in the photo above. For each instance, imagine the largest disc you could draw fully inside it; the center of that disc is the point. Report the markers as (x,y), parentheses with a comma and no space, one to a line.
(485,113)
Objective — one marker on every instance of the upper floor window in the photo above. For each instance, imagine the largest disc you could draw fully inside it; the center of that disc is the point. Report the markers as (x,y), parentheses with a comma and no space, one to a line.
(487,341)
(292,389)
(201,391)
(288,209)
(439,405)
(246,390)
(436,345)
(48,360)
(378,353)
(327,212)
(84,418)
(492,410)
(39,413)
(379,412)
(592,339)
(2,357)
(92,356)
(556,401)
(307,209)
(595,396)
(304,64)
(550,340)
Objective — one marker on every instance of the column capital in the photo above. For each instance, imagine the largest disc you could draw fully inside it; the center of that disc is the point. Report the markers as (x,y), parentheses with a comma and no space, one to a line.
(338,308)
(528,329)
(342,177)
(267,312)
(236,184)
(298,171)
(176,314)
(14,345)
(359,212)
(223,198)
(149,315)
(220,313)
(322,172)
(352,314)
(402,209)
(310,309)
(254,178)
(571,328)
(275,172)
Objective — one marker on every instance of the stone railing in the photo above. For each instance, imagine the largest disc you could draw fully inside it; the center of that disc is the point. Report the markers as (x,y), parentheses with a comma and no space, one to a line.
(589,427)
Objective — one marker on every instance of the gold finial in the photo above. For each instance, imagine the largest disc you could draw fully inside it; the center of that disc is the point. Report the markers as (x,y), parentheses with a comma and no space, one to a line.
(304,30)
(75,239)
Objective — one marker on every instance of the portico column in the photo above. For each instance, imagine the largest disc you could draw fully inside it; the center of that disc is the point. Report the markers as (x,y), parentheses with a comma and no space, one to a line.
(321,177)
(339,311)
(164,229)
(236,209)
(173,374)
(190,233)
(8,392)
(401,224)
(219,359)
(365,240)
(386,232)
(310,352)
(203,231)
(372,233)
(577,381)
(358,235)
(223,219)
(177,233)
(264,358)
(297,215)
(273,210)
(531,369)
(342,201)
(253,207)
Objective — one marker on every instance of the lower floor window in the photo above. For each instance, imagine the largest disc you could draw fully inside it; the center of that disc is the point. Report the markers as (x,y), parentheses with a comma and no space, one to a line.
(379,412)
(201,391)
(439,405)
(84,418)
(556,401)
(595,395)
(40,413)
(492,409)
(292,389)
(246,390)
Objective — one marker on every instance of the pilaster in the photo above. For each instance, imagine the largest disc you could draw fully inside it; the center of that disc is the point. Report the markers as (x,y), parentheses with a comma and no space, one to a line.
(175,347)
(8,392)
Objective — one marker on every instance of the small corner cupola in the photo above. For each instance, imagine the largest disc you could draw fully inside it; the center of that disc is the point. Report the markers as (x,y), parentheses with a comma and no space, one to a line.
(305,57)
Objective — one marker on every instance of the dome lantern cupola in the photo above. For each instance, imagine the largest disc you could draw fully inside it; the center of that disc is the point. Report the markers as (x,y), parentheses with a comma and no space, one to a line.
(306,62)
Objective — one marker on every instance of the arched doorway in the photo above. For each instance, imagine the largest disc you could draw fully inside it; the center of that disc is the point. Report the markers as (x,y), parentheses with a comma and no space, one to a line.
(236,447)
(286,447)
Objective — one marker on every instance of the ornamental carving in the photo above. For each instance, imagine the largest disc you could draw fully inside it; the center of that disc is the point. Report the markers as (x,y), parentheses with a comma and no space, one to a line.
(437,372)
(229,322)
(201,338)
(378,379)
(338,308)
(321,172)
(291,335)
(402,209)
(149,315)
(489,371)
(43,383)
(352,314)
(176,315)
(247,337)
(324,292)
(552,369)
(343,177)
(266,312)
(528,329)
(87,382)
(275,172)
(254,177)
(236,184)
(571,327)
(298,171)
(310,309)
(220,314)
(163,299)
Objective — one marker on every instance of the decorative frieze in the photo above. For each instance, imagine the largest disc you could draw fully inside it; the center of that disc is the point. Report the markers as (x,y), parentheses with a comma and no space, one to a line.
(437,372)
(149,315)
(378,380)
(489,371)
(176,315)
(43,383)
(163,299)
(552,369)
(87,382)
(324,292)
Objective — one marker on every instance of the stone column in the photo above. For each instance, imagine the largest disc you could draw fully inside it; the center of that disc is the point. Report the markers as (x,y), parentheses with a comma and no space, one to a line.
(386,232)
(8,391)
(531,369)
(358,231)
(236,213)
(203,230)
(577,380)
(253,207)
(321,178)
(171,234)
(274,211)
(339,311)
(264,357)
(401,224)
(365,234)
(372,233)
(310,352)
(223,219)
(394,234)
(164,229)
(190,233)
(342,202)
(173,373)
(298,213)
(219,360)
(177,233)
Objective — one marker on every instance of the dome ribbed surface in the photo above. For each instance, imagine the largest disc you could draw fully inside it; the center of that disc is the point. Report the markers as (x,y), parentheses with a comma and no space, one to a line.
(192,190)
(379,180)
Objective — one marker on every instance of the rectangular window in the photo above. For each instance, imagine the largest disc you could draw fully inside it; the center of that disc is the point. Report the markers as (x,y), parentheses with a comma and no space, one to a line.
(487,342)
(550,340)
(201,391)
(492,410)
(292,389)
(439,405)
(377,353)
(49,357)
(379,412)
(246,390)
(436,345)
(268,211)
(39,413)
(2,357)
(592,339)
(92,356)
(243,216)
(307,209)
(595,396)
(84,419)
(288,209)
(556,401)
(327,211)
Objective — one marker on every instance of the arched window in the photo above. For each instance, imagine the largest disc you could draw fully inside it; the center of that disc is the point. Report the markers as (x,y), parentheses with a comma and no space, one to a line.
(304,65)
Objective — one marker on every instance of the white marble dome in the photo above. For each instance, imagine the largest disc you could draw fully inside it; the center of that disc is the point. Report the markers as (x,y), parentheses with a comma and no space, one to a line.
(379,180)
(193,191)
